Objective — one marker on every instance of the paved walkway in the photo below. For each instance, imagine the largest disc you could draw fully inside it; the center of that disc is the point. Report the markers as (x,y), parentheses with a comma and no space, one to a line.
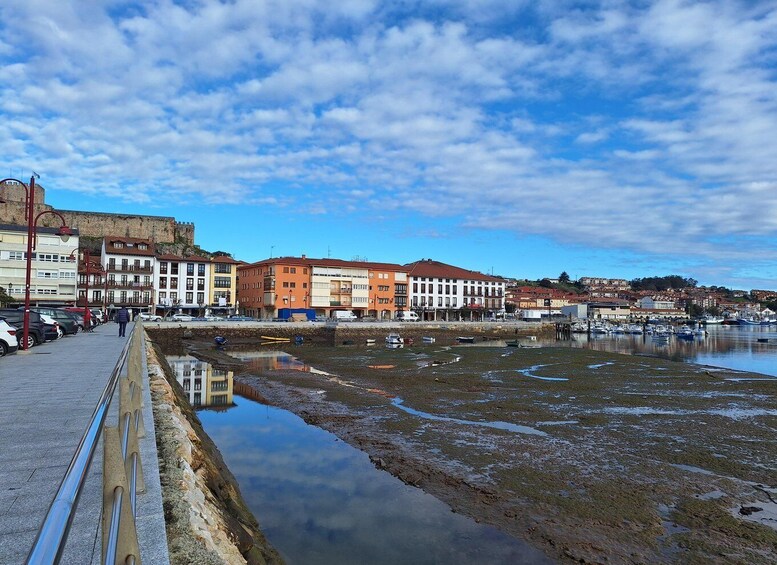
(47,396)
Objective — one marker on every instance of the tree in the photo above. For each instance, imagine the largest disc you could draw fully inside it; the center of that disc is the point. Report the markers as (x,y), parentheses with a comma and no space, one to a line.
(545,283)
(5,300)
(563,277)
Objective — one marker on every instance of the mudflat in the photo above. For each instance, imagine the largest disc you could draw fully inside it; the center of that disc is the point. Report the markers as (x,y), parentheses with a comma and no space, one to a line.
(592,457)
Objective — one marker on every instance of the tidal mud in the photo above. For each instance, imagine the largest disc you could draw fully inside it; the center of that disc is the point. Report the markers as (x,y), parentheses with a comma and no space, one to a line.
(637,459)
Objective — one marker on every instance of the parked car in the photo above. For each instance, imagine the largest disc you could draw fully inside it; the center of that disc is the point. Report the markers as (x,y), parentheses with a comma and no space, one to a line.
(181,318)
(78,317)
(79,312)
(148,317)
(236,318)
(15,318)
(66,320)
(51,330)
(8,341)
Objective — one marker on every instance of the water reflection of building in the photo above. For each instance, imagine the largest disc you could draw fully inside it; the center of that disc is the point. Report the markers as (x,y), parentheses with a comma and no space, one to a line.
(203,384)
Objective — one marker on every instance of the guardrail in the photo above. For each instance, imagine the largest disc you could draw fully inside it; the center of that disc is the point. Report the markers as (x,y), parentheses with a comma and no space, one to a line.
(122,471)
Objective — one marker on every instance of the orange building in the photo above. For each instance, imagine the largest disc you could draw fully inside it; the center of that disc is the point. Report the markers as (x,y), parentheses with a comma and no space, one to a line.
(324,285)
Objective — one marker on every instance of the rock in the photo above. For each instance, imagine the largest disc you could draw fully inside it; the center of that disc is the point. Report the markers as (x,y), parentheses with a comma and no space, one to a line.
(747,510)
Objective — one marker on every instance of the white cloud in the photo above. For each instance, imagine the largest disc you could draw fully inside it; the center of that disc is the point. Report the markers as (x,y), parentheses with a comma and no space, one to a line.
(653,126)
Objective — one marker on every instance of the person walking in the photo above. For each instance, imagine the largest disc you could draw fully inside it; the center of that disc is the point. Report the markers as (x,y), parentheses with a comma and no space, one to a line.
(122,317)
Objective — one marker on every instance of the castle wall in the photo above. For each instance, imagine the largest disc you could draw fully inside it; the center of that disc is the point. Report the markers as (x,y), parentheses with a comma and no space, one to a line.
(160,229)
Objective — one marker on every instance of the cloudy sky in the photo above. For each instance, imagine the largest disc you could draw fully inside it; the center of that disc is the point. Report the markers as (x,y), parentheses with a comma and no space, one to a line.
(523,138)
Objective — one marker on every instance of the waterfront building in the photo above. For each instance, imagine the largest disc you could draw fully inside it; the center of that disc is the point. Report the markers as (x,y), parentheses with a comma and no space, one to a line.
(182,285)
(324,285)
(223,286)
(91,277)
(128,264)
(53,274)
(439,291)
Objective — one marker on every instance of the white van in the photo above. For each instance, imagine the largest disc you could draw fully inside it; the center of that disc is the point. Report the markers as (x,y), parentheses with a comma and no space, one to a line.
(407,316)
(344,316)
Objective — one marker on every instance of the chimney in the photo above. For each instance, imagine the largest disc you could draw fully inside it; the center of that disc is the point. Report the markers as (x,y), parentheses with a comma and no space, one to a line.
(303,256)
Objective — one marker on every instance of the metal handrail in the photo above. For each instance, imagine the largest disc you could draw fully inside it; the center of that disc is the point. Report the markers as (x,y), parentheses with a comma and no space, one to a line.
(52,536)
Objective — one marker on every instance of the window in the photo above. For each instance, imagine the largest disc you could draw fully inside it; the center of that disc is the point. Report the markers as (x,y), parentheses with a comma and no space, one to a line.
(285,269)
(200,284)
(124,264)
(173,268)
(16,255)
(190,269)
(189,297)
(163,282)
(285,284)
(118,244)
(163,268)
(222,282)
(222,268)
(200,298)
(162,296)
(293,270)
(147,264)
(439,288)
(173,282)
(423,287)
(189,284)
(200,269)
(142,246)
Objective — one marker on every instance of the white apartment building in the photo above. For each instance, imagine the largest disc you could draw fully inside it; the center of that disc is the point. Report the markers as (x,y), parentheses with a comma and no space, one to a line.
(182,285)
(128,264)
(53,268)
(650,303)
(444,292)
(340,287)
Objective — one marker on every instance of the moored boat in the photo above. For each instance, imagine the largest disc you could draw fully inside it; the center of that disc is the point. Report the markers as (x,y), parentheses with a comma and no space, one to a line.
(394,339)
(465,339)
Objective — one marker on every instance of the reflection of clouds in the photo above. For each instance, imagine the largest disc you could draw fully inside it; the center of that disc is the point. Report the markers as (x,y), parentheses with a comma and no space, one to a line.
(321,501)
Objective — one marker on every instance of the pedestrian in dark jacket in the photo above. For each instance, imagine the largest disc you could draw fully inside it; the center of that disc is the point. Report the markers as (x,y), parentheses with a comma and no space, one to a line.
(122,317)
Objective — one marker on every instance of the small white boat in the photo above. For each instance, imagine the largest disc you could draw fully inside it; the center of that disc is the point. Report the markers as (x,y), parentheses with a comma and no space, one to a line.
(684,332)
(369,341)
(465,339)
(428,339)
(394,339)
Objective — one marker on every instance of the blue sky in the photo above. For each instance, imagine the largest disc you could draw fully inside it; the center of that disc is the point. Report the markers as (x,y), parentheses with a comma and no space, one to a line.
(621,139)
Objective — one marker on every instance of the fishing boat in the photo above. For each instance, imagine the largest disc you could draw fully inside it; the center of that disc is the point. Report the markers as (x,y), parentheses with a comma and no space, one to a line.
(394,339)
(684,332)
(428,339)
(465,339)
(709,320)
(512,343)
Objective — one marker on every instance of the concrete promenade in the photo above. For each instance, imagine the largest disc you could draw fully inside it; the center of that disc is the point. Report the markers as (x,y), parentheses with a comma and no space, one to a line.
(47,396)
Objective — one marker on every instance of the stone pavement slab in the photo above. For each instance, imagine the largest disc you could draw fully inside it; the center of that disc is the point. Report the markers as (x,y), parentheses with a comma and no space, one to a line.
(47,396)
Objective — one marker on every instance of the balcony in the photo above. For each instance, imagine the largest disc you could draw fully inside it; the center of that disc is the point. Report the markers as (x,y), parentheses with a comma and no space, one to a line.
(341,290)
(130,269)
(129,301)
(129,285)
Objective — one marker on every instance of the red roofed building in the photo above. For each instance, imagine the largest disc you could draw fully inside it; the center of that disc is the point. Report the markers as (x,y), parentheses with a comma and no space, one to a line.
(444,292)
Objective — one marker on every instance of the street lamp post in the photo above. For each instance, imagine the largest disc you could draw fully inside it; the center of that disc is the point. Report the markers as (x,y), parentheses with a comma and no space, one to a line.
(32,221)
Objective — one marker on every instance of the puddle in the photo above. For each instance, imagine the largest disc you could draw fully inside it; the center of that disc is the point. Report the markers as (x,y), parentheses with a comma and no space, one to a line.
(530,370)
(517,428)
(319,500)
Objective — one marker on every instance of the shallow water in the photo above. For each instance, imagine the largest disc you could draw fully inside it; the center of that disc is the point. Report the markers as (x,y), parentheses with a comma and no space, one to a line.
(319,500)
(732,347)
